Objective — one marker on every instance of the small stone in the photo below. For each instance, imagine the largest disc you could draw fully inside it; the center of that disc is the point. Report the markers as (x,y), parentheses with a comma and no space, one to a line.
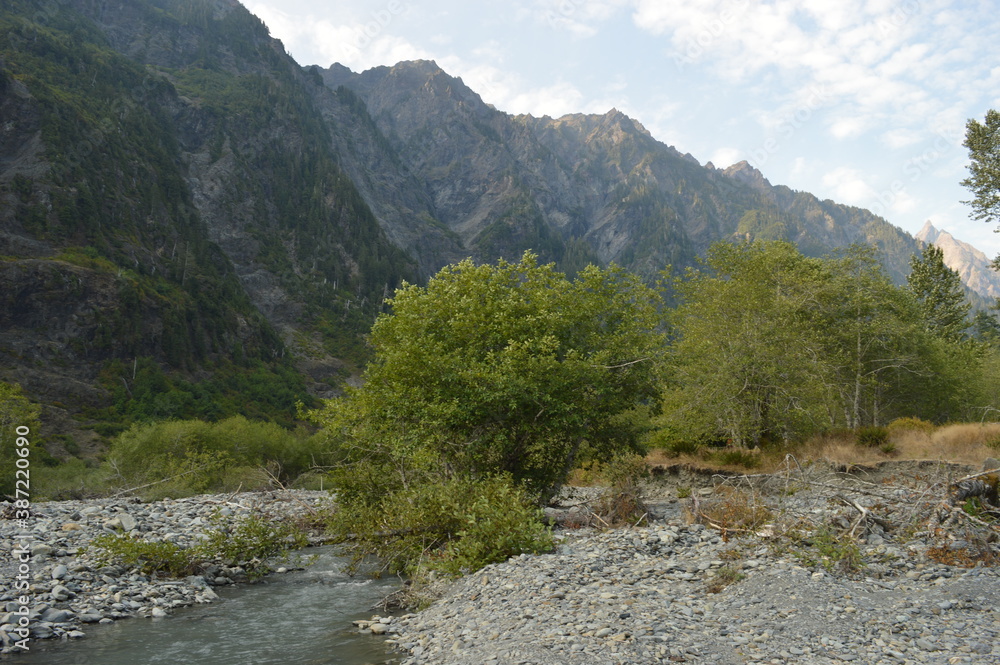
(127,522)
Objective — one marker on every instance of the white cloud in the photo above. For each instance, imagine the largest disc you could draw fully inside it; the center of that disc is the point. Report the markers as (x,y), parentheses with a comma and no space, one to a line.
(724,157)
(849,186)
(844,128)
(581,18)
(359,40)
(900,138)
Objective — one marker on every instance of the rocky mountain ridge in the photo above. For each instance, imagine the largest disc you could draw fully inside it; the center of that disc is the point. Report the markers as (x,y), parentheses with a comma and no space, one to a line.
(184,205)
(972,265)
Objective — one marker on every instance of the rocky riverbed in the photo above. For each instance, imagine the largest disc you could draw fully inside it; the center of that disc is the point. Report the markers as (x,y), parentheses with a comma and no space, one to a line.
(840,565)
(801,588)
(68,589)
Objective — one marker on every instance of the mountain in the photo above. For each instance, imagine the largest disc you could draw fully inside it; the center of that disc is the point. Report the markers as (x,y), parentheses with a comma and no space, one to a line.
(192,224)
(973,266)
(580,187)
(177,237)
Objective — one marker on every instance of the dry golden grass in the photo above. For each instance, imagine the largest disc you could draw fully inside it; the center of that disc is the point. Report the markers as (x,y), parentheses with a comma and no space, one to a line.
(963,443)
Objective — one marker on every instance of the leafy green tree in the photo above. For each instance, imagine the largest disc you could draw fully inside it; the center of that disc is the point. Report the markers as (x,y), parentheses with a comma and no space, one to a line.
(510,368)
(983,142)
(486,387)
(939,290)
(746,365)
(986,328)
(874,337)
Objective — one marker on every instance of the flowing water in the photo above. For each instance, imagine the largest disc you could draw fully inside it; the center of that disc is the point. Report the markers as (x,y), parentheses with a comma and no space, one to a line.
(301,618)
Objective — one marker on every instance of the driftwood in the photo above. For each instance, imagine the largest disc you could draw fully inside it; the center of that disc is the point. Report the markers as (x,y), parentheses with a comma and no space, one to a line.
(932,508)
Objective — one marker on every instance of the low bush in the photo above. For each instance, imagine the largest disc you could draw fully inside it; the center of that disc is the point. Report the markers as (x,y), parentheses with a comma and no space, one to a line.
(186,457)
(872,437)
(74,479)
(740,457)
(248,542)
(910,425)
(733,510)
(452,525)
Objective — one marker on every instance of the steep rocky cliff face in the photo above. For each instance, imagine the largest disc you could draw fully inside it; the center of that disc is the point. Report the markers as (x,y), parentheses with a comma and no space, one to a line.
(583,187)
(972,265)
(172,195)
(181,201)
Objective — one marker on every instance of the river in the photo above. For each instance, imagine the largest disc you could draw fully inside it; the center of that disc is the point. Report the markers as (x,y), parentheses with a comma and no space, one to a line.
(302,617)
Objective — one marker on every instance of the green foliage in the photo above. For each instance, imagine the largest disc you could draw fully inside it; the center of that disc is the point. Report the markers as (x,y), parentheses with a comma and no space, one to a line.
(983,142)
(735,457)
(19,423)
(149,557)
(72,479)
(625,470)
(142,391)
(910,424)
(836,552)
(773,346)
(872,437)
(723,577)
(508,368)
(745,364)
(183,458)
(453,525)
(939,290)
(248,542)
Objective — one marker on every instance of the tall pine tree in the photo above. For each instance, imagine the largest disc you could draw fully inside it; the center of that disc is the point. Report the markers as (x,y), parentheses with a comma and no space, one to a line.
(939,290)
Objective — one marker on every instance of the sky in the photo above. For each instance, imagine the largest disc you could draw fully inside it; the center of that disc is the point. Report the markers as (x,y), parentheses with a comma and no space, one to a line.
(862,102)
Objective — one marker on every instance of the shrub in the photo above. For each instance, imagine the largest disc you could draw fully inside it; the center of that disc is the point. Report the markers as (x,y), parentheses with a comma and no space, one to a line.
(248,542)
(910,425)
(872,437)
(186,457)
(837,552)
(73,479)
(736,457)
(722,578)
(148,556)
(625,470)
(993,441)
(734,510)
(453,525)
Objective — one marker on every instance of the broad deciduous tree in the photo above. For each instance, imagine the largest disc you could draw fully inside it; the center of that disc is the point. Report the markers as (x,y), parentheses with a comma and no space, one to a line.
(746,365)
(509,368)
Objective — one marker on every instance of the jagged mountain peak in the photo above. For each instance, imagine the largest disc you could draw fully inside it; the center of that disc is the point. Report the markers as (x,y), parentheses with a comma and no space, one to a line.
(748,175)
(972,265)
(928,233)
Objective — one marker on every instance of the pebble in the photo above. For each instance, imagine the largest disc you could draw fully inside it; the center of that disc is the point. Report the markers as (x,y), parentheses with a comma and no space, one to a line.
(68,590)
(639,595)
